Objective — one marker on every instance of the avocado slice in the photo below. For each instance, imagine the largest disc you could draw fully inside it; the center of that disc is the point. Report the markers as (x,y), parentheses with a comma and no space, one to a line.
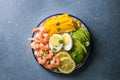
(81,43)
(78,52)
(85,31)
(78,45)
(83,34)
(81,37)
(78,56)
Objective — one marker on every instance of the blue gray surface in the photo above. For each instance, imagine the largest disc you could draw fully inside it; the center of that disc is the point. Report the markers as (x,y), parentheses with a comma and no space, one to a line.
(19,17)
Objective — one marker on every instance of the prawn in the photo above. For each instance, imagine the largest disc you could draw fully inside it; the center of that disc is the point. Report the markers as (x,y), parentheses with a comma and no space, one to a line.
(43,37)
(53,63)
(36,39)
(41,29)
(38,53)
(41,60)
(44,47)
(49,55)
(34,46)
(36,29)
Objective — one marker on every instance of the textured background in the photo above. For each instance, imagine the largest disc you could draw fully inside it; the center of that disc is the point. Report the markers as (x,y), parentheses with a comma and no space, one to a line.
(19,17)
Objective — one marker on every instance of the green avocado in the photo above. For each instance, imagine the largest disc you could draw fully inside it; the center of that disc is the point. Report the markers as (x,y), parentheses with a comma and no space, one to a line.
(78,37)
(81,43)
(83,36)
(78,45)
(84,31)
(78,56)
(78,52)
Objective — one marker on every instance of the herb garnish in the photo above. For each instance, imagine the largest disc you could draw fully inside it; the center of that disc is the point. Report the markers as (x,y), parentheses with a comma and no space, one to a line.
(58,23)
(61,41)
(44,53)
(58,28)
(54,49)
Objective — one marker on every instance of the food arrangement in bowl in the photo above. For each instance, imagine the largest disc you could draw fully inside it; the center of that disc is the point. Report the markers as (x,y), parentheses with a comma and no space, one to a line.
(60,43)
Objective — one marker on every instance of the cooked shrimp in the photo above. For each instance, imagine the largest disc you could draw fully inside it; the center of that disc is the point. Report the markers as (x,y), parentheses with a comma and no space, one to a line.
(44,38)
(38,53)
(44,47)
(36,29)
(36,39)
(41,37)
(34,46)
(55,61)
(49,55)
(48,65)
(41,60)
(51,64)
(43,30)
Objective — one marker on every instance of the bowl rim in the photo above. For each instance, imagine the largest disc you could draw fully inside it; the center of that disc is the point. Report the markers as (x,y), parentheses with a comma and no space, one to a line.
(88,50)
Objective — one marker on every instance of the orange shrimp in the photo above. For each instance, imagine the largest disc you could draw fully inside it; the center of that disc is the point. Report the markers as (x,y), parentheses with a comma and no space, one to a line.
(55,61)
(34,46)
(38,53)
(41,60)
(43,30)
(48,65)
(36,29)
(41,37)
(44,38)
(36,39)
(44,47)
(49,55)
(51,64)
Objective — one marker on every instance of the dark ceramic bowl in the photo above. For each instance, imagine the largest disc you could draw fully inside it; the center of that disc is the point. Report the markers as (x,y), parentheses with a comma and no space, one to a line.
(85,59)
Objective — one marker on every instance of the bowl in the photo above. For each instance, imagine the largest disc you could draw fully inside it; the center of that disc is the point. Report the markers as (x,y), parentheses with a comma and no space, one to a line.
(82,23)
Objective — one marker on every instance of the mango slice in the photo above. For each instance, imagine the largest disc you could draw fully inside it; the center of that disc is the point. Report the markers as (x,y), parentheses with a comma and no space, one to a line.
(59,24)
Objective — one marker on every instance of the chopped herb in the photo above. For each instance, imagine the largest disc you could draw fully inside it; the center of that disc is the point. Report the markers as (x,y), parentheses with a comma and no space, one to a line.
(58,29)
(54,49)
(87,44)
(58,23)
(44,53)
(61,41)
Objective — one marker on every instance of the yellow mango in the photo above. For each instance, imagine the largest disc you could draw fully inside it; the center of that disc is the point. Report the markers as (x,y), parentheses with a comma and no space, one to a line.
(60,24)
(50,23)
(64,28)
(48,26)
